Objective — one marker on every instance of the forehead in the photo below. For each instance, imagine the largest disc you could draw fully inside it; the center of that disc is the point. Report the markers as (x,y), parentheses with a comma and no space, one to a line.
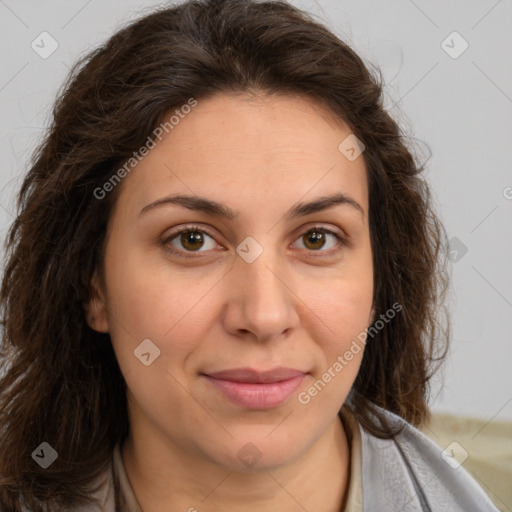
(243,150)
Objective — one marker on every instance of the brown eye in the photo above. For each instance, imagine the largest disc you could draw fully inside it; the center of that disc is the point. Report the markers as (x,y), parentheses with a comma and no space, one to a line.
(314,239)
(190,240)
(321,240)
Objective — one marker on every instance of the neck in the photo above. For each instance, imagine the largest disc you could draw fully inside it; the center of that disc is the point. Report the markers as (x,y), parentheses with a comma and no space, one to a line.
(166,476)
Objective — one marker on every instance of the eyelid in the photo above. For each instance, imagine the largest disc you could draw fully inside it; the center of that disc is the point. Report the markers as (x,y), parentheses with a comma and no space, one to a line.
(341,237)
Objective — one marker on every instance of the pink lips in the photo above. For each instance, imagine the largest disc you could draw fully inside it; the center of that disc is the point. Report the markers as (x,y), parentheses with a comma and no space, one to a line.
(254,389)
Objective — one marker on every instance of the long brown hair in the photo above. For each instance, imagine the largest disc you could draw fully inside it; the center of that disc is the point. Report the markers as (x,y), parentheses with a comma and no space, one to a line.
(60,381)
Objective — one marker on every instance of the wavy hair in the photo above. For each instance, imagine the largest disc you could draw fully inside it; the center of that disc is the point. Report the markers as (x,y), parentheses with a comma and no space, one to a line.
(60,381)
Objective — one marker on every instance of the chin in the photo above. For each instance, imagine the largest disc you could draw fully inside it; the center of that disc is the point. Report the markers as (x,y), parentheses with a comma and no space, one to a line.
(258,452)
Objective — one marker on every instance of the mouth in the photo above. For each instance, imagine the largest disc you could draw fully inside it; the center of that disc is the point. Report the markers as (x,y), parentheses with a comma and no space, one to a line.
(253,389)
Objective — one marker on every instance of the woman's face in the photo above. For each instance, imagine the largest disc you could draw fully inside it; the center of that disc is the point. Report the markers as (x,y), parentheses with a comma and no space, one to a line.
(260,281)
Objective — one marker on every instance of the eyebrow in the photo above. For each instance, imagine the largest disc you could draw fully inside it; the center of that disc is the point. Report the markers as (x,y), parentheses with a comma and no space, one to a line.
(202,204)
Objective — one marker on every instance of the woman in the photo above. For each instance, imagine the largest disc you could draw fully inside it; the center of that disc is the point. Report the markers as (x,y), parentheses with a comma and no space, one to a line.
(222,283)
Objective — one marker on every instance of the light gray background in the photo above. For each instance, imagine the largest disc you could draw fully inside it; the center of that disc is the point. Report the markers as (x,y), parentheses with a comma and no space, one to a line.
(461,108)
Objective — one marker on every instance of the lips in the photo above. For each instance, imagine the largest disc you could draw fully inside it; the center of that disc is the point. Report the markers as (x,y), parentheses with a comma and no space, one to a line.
(255,376)
(253,389)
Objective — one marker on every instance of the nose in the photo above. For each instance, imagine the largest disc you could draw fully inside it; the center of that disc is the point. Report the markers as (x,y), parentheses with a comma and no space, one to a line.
(260,300)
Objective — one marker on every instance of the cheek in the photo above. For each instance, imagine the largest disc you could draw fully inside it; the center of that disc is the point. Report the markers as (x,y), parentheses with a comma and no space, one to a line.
(339,335)
(342,307)
(347,315)
(342,302)
(150,299)
(348,312)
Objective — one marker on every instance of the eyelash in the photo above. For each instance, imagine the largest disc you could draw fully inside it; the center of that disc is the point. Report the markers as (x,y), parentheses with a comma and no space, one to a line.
(342,242)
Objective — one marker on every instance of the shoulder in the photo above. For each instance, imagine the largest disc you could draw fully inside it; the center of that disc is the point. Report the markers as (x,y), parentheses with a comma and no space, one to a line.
(408,473)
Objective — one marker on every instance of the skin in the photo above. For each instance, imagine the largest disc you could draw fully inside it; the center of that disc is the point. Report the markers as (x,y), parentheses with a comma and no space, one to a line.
(298,305)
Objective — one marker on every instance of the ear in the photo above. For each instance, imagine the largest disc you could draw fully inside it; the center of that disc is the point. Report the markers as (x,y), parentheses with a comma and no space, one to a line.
(96,308)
